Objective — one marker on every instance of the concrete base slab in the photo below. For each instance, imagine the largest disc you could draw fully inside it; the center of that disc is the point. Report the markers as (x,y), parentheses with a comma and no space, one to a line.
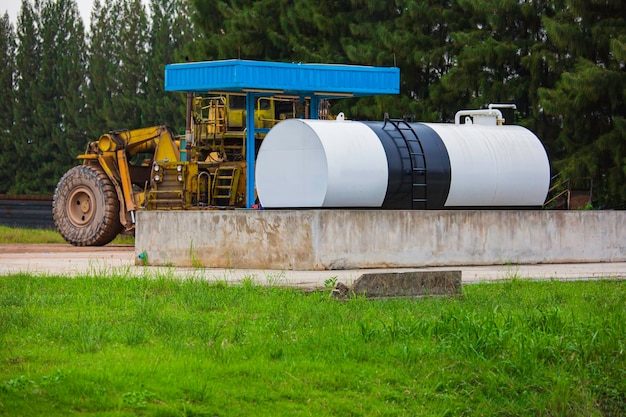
(351,239)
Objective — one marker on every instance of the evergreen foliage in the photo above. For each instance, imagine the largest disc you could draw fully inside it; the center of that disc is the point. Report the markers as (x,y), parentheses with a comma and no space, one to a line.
(561,62)
(28,57)
(58,135)
(589,98)
(130,72)
(7,91)
(170,32)
(101,62)
(542,55)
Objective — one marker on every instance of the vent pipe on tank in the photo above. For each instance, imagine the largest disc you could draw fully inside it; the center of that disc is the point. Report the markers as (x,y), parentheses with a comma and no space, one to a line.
(487,117)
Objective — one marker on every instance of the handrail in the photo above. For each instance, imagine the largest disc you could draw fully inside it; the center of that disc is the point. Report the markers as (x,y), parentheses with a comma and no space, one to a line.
(558,185)
(556,197)
(208,191)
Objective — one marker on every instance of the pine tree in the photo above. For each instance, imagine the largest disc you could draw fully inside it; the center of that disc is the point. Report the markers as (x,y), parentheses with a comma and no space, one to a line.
(70,77)
(238,29)
(561,62)
(27,60)
(129,104)
(117,66)
(492,53)
(57,135)
(589,99)
(324,31)
(171,30)
(8,162)
(102,61)
(414,36)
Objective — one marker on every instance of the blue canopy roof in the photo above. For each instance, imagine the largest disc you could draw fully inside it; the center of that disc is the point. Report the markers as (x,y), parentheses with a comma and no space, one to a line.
(320,80)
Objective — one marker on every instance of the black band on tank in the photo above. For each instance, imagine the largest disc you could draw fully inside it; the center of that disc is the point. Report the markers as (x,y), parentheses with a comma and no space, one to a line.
(415,181)
(398,194)
(439,170)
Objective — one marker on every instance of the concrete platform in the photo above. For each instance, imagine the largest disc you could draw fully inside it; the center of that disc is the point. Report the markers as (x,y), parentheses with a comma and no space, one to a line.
(301,240)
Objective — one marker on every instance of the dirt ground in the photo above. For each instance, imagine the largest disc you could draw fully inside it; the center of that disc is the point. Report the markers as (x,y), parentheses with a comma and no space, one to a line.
(24,248)
(63,259)
(68,260)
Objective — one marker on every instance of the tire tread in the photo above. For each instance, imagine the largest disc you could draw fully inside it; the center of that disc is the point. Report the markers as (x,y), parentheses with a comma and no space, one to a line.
(101,230)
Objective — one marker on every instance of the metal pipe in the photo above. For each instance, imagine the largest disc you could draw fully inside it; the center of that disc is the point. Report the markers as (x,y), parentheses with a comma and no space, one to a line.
(188,114)
(186,152)
(250,147)
(484,112)
(502,106)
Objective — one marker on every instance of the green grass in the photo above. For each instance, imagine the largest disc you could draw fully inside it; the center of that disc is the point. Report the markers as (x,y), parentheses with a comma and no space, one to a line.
(46,236)
(155,346)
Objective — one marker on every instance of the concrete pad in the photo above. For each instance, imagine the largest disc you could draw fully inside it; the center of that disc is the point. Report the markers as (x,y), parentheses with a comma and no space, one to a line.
(351,239)
(403,284)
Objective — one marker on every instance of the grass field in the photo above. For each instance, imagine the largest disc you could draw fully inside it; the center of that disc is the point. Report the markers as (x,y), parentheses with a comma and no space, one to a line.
(46,236)
(120,346)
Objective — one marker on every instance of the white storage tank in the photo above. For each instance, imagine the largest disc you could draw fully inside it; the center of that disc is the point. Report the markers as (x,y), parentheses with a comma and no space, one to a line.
(400,165)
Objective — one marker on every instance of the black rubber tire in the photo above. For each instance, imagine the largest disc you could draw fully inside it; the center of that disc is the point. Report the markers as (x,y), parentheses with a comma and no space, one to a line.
(85,207)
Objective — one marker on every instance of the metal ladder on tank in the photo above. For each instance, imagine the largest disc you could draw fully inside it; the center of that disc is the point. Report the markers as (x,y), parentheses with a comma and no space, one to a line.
(415,158)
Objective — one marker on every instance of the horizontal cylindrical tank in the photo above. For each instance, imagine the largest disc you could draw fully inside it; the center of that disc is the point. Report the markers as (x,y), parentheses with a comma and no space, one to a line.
(400,165)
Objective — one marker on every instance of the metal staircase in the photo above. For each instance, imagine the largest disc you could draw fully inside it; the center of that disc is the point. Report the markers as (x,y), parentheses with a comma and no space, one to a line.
(168,192)
(225,183)
(568,194)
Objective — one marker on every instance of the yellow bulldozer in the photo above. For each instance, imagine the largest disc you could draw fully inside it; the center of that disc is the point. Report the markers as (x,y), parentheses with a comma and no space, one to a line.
(154,169)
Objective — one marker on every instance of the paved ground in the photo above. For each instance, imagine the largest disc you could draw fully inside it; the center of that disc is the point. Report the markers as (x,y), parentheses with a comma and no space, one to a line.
(68,260)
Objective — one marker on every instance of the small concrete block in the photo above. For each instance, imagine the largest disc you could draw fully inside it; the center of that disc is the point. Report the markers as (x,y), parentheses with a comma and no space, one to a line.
(408,284)
(341,291)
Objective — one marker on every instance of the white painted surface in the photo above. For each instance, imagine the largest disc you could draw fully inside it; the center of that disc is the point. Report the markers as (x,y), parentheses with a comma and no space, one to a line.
(321,163)
(494,166)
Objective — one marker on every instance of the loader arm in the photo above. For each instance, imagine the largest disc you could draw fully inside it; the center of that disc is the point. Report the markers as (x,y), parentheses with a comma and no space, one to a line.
(157,139)
(112,152)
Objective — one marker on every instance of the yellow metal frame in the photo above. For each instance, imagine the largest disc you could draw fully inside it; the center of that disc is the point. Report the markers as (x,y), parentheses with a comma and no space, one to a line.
(219,132)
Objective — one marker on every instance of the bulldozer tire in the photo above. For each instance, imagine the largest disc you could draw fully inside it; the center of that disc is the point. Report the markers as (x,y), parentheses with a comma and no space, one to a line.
(85,207)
